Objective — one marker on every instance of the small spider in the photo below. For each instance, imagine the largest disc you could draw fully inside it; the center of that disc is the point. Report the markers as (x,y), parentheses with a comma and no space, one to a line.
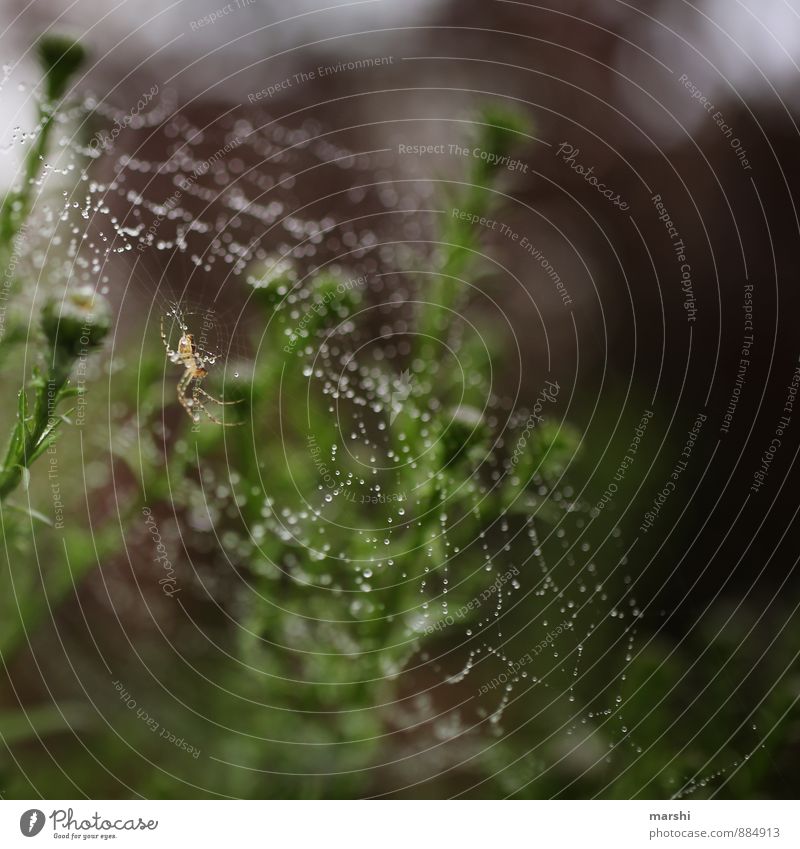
(189,356)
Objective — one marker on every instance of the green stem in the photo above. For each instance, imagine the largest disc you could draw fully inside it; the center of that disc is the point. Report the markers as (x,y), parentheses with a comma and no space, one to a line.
(457,236)
(17,204)
(60,57)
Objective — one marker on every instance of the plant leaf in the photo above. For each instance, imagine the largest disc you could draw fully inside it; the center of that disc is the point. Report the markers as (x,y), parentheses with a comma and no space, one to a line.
(29,511)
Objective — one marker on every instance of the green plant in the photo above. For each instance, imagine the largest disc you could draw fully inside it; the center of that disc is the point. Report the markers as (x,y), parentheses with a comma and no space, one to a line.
(74,325)
(73,329)
(310,629)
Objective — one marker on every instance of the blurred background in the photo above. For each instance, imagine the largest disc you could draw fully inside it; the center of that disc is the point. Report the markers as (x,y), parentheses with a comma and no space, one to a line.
(590,592)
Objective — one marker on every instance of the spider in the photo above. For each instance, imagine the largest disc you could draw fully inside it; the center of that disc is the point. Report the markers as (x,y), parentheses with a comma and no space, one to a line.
(189,356)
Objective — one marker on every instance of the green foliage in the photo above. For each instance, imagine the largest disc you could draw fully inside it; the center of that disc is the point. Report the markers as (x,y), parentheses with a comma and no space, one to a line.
(320,580)
(74,327)
(76,324)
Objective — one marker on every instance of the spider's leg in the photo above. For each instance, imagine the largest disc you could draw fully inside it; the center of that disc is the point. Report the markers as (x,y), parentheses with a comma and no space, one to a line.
(197,391)
(213,418)
(217,400)
(188,404)
(183,383)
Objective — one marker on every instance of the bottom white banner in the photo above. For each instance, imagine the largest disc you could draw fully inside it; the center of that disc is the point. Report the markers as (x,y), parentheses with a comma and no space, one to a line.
(617,824)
